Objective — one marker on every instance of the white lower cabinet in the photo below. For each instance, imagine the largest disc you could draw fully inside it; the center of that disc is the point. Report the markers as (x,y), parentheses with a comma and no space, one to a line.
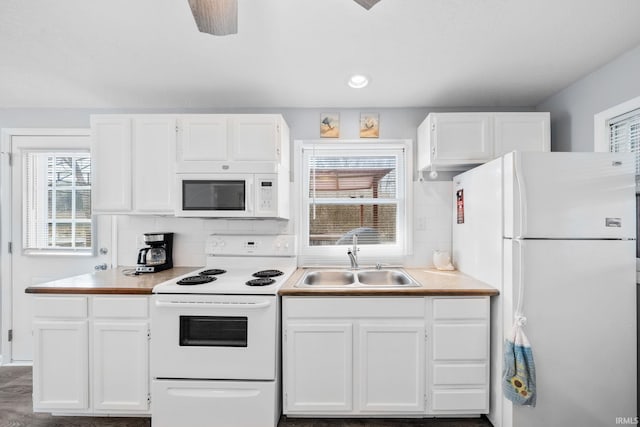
(459,355)
(319,357)
(385,356)
(357,355)
(391,366)
(60,365)
(91,355)
(120,366)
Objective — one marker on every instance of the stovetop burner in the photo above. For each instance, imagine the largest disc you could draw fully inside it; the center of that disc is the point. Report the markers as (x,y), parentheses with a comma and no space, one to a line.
(212,272)
(196,280)
(268,273)
(262,281)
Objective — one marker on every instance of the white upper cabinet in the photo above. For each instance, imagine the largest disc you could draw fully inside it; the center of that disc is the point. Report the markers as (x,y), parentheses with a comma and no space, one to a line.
(457,141)
(458,138)
(257,143)
(133,161)
(135,157)
(256,137)
(154,145)
(203,138)
(521,132)
(111,164)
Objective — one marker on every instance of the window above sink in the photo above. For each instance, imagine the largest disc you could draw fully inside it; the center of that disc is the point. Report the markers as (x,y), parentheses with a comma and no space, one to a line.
(352,188)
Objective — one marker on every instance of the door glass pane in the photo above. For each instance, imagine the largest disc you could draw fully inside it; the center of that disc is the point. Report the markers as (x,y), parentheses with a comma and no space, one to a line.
(83,204)
(57,202)
(63,172)
(84,235)
(64,205)
(61,235)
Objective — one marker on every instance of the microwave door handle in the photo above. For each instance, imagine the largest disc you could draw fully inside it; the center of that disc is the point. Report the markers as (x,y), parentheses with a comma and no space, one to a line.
(231,305)
(250,197)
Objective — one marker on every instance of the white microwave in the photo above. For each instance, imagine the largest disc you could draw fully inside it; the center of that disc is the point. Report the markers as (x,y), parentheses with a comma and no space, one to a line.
(230,195)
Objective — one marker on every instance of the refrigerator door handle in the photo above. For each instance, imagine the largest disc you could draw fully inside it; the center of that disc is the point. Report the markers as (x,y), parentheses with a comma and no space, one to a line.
(517,166)
(518,315)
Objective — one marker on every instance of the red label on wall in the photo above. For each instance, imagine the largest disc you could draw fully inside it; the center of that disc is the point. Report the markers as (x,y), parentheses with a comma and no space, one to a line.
(460,206)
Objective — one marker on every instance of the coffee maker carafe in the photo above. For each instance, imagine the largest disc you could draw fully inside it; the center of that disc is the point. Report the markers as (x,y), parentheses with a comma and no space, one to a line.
(158,255)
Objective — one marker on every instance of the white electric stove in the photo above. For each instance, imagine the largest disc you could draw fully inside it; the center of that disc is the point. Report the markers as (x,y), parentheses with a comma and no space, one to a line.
(239,265)
(215,336)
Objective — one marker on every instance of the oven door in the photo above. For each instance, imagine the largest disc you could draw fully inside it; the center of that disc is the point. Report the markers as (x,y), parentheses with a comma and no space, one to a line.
(215,195)
(214,336)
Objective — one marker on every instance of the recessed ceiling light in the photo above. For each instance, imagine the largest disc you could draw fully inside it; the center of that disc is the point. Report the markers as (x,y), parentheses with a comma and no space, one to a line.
(358,81)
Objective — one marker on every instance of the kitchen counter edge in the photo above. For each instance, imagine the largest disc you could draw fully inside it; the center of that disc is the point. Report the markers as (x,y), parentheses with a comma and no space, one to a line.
(432,282)
(112,281)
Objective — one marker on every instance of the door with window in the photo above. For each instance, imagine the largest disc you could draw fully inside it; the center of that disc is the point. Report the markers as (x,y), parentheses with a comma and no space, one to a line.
(53,234)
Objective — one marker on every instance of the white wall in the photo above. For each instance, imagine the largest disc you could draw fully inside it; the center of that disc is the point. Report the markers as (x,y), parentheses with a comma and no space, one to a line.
(573,108)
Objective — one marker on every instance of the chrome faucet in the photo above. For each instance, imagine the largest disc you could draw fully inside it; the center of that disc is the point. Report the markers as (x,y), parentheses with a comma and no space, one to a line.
(353,253)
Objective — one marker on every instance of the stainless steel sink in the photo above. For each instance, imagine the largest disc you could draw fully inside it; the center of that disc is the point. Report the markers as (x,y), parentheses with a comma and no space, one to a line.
(328,278)
(384,278)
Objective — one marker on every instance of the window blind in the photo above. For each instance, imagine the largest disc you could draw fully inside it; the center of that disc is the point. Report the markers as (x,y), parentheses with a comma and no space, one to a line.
(57,202)
(352,194)
(624,136)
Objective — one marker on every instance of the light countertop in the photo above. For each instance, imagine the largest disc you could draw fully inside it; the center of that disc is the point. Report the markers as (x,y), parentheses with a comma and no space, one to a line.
(112,281)
(432,282)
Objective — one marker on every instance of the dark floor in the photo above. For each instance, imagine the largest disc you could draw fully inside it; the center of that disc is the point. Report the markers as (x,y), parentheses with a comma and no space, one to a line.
(16,411)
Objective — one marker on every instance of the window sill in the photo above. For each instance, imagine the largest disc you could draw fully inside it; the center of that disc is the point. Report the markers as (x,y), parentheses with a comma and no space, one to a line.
(53,252)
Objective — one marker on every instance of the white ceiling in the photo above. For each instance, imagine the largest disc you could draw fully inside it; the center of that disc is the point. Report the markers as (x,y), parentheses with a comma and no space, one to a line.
(299,53)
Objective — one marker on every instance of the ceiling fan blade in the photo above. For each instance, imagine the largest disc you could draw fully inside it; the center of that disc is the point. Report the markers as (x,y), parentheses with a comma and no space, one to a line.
(217,17)
(367,4)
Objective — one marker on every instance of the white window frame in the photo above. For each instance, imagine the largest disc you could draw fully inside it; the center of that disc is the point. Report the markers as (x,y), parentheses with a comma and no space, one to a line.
(42,248)
(369,255)
(601,136)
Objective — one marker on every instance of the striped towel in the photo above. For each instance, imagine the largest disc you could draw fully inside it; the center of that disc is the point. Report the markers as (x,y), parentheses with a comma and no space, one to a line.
(519,373)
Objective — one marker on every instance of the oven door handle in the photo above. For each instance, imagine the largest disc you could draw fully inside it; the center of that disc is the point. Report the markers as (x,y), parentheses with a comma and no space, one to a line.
(212,304)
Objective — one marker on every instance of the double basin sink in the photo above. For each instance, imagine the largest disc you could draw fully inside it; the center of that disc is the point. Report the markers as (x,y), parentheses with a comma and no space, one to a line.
(383,278)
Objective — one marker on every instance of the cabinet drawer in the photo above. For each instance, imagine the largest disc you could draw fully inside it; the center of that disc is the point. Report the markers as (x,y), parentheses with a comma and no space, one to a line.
(342,307)
(71,307)
(460,374)
(114,307)
(460,400)
(467,341)
(460,308)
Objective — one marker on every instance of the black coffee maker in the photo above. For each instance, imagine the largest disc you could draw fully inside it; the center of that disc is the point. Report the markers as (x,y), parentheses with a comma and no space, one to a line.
(158,255)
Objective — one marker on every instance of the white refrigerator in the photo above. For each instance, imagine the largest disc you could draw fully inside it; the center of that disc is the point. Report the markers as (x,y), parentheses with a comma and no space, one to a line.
(561,227)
